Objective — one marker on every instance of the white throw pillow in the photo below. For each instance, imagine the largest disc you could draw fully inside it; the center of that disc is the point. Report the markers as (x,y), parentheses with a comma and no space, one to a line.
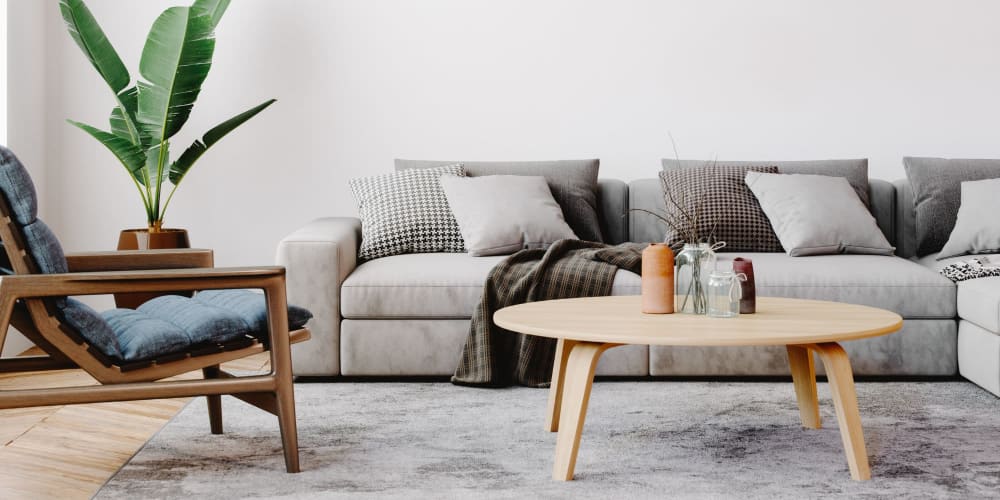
(977,227)
(817,215)
(501,214)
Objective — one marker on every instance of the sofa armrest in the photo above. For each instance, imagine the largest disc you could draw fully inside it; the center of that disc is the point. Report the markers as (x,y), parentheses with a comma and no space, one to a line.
(318,257)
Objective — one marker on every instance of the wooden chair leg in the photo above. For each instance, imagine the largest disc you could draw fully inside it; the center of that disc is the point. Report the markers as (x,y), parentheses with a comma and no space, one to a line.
(281,366)
(214,401)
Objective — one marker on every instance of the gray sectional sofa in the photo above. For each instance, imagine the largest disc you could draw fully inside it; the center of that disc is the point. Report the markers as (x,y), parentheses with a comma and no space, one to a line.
(408,315)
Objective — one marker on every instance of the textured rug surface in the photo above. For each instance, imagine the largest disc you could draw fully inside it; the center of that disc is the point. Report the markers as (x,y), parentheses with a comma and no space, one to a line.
(641,440)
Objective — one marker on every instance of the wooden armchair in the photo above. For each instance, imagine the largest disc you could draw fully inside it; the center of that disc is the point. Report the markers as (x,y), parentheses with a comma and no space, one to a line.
(30,300)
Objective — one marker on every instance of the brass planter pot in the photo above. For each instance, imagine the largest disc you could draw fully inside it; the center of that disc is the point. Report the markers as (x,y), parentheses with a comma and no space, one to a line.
(148,239)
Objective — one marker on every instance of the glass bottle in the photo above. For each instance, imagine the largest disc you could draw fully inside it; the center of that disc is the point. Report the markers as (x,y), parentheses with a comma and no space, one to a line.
(724,293)
(694,264)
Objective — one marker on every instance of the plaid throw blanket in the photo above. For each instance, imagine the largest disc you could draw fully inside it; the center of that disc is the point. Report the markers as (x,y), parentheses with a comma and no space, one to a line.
(494,357)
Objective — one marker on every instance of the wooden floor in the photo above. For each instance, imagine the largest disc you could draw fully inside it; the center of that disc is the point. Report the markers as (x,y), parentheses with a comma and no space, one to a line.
(68,452)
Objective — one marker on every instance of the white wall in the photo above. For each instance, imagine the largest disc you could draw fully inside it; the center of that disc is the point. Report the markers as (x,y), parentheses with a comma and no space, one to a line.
(360,82)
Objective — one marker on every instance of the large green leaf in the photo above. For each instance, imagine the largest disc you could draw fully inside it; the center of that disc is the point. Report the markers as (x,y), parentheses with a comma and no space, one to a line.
(184,163)
(123,122)
(214,8)
(152,172)
(175,62)
(87,34)
(130,155)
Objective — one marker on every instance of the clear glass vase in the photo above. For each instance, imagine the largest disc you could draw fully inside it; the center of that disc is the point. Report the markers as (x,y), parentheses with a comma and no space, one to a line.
(695,263)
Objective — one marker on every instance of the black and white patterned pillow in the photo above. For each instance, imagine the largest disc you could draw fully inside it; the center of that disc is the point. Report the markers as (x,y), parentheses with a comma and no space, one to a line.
(406,212)
(725,209)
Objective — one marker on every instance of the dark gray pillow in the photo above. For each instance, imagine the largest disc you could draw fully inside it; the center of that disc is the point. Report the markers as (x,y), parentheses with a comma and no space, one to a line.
(573,184)
(855,171)
(937,195)
(725,208)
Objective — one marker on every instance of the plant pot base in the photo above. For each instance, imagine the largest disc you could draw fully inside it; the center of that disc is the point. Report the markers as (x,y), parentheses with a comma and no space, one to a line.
(144,239)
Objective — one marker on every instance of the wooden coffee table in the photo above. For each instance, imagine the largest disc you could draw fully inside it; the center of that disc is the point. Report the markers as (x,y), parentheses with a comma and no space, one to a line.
(589,326)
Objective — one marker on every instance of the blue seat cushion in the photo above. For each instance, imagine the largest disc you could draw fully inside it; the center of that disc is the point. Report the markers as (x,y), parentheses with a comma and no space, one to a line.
(172,324)
(252,307)
(202,322)
(44,248)
(91,326)
(17,188)
(142,336)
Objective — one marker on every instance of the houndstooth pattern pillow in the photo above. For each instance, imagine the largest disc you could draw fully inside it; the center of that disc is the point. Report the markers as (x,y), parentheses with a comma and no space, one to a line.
(406,212)
(728,210)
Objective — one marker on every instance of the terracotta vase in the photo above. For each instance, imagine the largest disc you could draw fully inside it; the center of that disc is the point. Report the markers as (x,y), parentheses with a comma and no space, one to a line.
(148,239)
(748,304)
(657,279)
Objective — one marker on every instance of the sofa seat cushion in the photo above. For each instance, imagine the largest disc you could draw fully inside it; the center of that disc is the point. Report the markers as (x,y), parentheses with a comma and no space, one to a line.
(429,285)
(899,285)
(978,299)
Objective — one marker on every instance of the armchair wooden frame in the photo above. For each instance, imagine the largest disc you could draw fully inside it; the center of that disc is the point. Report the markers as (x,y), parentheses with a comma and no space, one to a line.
(23,305)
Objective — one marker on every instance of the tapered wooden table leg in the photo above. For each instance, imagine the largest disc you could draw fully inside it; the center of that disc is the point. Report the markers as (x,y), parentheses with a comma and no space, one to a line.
(841,378)
(577,382)
(800,360)
(558,381)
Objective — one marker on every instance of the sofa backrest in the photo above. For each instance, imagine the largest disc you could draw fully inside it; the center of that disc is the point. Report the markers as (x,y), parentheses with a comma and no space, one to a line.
(621,224)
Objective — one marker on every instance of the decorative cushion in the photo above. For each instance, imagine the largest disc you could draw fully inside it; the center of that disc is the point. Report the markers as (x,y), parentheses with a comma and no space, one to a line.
(817,214)
(936,184)
(855,171)
(143,336)
(251,307)
(91,326)
(17,188)
(501,214)
(728,210)
(202,322)
(406,212)
(44,248)
(573,184)
(976,227)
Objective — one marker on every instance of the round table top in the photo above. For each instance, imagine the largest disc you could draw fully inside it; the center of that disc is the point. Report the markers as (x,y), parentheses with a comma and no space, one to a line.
(619,320)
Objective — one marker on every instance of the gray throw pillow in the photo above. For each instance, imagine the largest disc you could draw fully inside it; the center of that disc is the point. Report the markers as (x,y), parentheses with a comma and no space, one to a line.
(817,215)
(721,205)
(573,184)
(406,212)
(977,229)
(501,214)
(937,195)
(854,170)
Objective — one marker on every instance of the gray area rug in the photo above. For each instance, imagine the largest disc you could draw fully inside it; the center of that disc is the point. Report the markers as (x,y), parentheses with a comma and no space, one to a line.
(641,440)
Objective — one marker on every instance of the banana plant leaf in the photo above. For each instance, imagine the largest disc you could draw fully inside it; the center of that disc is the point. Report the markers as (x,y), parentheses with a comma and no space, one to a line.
(183,164)
(130,155)
(175,62)
(88,35)
(214,8)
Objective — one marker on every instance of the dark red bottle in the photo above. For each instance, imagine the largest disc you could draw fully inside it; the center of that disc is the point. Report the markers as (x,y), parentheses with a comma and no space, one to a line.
(748,304)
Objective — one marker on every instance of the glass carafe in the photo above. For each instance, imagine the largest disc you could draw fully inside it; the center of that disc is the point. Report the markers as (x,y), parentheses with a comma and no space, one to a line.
(724,294)
(694,263)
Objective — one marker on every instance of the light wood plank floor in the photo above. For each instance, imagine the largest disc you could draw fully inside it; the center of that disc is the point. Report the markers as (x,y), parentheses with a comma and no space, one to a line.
(68,452)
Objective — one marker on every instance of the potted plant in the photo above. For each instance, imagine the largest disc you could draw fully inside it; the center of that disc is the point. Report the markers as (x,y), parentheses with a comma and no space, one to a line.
(175,60)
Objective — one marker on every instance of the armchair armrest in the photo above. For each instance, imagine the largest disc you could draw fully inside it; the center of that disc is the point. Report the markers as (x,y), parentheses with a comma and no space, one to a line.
(162,280)
(318,257)
(124,260)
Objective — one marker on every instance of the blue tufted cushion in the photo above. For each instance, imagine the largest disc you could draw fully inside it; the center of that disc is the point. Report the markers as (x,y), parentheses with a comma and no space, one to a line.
(142,336)
(252,307)
(92,327)
(44,248)
(202,322)
(17,188)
